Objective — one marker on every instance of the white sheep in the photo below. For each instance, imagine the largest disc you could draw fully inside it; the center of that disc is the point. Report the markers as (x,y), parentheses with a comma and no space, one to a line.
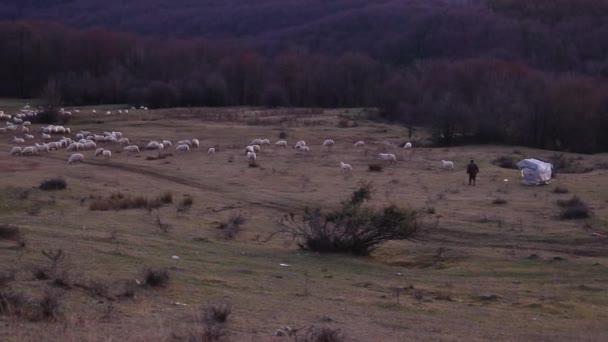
(24,129)
(42,148)
(211,150)
(76,158)
(249,149)
(46,136)
(16,151)
(29,151)
(388,157)
(107,154)
(185,142)
(99,152)
(124,141)
(90,145)
(18,140)
(132,148)
(29,137)
(346,168)
(407,145)
(299,144)
(359,143)
(281,143)
(256,148)
(154,145)
(328,143)
(167,143)
(256,141)
(26,123)
(265,142)
(182,148)
(251,156)
(445,164)
(302,148)
(195,143)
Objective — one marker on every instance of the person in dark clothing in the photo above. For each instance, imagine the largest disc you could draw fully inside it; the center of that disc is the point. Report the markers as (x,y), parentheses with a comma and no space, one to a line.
(472,171)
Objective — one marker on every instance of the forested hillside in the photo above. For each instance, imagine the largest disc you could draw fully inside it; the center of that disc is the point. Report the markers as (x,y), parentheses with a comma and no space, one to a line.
(538,68)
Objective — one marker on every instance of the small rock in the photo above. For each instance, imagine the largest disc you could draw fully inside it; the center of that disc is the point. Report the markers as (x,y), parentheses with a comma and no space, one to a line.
(488,296)
(399,274)
(285,265)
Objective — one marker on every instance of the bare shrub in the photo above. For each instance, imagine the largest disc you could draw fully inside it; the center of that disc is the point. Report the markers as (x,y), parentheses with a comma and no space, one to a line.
(351,229)
(6,277)
(506,162)
(49,306)
(560,190)
(573,208)
(232,227)
(324,334)
(282,135)
(119,201)
(167,197)
(217,313)
(55,257)
(253,164)
(10,233)
(186,203)
(53,184)
(375,167)
(156,278)
(499,201)
(13,303)
(208,333)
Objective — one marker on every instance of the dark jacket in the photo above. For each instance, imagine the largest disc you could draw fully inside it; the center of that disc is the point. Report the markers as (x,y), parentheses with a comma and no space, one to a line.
(472,169)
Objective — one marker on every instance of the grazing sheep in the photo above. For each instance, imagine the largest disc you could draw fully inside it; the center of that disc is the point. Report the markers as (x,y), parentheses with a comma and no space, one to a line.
(76,158)
(388,157)
(42,148)
(154,145)
(251,156)
(445,164)
(182,148)
(167,143)
(265,142)
(16,151)
(281,143)
(256,148)
(29,136)
(256,142)
(249,149)
(124,141)
(46,136)
(195,143)
(299,145)
(72,147)
(29,151)
(107,154)
(328,143)
(346,168)
(407,145)
(26,123)
(18,140)
(132,148)
(108,113)
(24,129)
(99,152)
(185,142)
(88,146)
(302,148)
(211,150)
(359,143)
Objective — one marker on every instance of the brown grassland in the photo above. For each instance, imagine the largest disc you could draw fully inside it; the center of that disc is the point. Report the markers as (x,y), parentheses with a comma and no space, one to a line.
(543,279)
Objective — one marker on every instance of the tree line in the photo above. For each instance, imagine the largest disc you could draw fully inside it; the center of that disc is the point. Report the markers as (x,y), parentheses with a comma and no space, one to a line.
(470,99)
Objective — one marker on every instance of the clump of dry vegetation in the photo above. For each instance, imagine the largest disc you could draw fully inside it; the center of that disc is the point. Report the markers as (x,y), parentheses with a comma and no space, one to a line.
(232,227)
(353,228)
(157,278)
(573,208)
(499,201)
(120,201)
(560,190)
(505,162)
(53,184)
(375,167)
(324,334)
(10,233)
(217,313)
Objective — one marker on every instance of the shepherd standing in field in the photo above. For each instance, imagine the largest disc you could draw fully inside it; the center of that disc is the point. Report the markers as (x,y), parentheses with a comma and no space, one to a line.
(472,171)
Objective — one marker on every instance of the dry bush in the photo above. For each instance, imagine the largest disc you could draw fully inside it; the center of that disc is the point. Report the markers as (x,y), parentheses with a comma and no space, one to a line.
(119,201)
(156,278)
(53,184)
(208,333)
(167,197)
(10,233)
(506,162)
(232,227)
(499,201)
(282,135)
(254,164)
(560,190)
(6,277)
(187,201)
(13,303)
(49,306)
(375,167)
(573,208)
(324,334)
(351,229)
(217,313)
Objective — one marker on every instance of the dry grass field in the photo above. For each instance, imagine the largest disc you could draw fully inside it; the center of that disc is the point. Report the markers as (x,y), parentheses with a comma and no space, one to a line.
(507,270)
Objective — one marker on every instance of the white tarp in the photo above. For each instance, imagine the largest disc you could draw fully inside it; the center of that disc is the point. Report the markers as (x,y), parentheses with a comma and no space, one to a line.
(535,172)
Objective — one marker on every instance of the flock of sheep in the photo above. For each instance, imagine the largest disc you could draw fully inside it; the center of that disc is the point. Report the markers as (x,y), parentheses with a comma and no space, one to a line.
(87,141)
